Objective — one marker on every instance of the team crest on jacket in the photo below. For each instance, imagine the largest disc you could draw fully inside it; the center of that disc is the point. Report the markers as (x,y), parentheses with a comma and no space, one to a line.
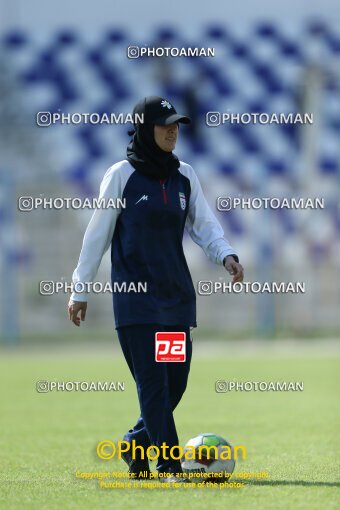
(182,200)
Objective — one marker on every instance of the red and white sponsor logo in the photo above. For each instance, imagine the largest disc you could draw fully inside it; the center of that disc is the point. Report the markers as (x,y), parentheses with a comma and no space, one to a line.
(170,346)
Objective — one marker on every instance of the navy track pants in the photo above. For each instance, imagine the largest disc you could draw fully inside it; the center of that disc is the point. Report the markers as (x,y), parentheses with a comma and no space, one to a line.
(160,387)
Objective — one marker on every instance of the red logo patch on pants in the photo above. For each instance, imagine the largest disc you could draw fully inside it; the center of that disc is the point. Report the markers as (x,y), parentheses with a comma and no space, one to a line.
(170,346)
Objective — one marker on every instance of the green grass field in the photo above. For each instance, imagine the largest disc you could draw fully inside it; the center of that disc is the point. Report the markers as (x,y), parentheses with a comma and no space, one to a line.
(46,438)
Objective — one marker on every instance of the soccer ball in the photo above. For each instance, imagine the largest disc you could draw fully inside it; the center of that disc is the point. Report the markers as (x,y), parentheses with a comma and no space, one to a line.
(195,459)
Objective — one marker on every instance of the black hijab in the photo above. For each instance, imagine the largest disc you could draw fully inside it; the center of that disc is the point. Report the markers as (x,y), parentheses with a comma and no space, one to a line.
(146,157)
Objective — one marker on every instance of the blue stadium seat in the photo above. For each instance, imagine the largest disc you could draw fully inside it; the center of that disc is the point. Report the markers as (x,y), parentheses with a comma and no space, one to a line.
(66,38)
(216,32)
(329,165)
(240,51)
(228,168)
(266,30)
(115,36)
(291,50)
(15,40)
(277,166)
(333,43)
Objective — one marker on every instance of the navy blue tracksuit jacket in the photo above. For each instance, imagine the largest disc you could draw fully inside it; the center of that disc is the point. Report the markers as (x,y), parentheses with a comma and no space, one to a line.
(146,244)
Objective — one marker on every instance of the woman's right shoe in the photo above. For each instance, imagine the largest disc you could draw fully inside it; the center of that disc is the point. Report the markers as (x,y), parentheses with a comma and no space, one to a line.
(172,475)
(138,467)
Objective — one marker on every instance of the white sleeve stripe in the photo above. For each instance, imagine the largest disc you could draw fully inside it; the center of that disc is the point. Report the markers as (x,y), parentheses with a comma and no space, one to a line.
(100,230)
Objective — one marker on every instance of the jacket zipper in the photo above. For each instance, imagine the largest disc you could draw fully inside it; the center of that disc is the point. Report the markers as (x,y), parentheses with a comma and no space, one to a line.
(162,181)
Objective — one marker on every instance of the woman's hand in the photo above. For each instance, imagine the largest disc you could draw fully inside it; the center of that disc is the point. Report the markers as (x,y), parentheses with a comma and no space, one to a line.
(74,307)
(234,268)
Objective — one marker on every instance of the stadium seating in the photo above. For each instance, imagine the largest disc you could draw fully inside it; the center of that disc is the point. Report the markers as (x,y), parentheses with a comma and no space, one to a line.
(265,71)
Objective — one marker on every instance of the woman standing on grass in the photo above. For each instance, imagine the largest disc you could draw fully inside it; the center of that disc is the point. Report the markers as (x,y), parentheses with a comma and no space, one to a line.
(163,196)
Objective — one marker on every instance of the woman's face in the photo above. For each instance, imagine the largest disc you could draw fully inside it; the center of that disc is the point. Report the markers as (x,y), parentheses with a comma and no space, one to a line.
(166,137)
